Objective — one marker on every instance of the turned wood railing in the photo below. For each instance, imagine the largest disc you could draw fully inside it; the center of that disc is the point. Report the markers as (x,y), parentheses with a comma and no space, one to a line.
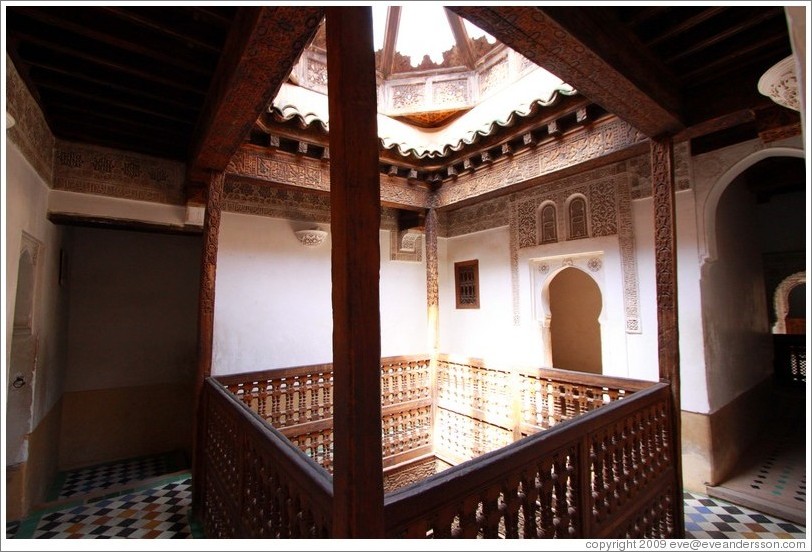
(255,483)
(481,408)
(790,358)
(608,473)
(299,403)
(454,443)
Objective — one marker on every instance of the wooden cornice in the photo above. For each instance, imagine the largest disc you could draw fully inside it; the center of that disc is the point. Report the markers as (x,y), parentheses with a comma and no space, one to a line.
(261,49)
(589,50)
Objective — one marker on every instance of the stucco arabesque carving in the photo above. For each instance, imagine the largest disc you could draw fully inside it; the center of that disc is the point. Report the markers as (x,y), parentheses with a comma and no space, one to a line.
(597,141)
(30,132)
(128,175)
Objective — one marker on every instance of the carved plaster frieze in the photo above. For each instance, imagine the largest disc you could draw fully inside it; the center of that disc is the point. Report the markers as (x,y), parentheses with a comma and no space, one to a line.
(257,199)
(597,141)
(30,132)
(277,167)
(405,246)
(115,173)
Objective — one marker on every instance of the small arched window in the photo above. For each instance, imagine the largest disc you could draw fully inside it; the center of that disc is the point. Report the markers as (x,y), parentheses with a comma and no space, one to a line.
(577,216)
(548,224)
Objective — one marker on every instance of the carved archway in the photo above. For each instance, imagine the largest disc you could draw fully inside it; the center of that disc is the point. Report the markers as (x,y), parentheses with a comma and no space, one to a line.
(781,300)
(712,201)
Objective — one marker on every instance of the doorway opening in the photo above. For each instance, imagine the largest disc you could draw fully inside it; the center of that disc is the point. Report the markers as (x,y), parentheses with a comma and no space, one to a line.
(575,332)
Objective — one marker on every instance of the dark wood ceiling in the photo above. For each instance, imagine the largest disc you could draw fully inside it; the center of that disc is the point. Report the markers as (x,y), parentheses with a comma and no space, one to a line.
(188,83)
(131,78)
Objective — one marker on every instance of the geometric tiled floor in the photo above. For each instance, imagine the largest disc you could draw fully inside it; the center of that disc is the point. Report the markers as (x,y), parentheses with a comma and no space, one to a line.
(713,518)
(160,508)
(158,511)
(113,474)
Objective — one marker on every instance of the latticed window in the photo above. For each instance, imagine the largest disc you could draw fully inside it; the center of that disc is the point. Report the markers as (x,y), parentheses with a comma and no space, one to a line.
(466,279)
(548,226)
(577,218)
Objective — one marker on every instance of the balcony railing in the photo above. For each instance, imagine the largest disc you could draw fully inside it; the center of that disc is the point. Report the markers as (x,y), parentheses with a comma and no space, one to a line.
(469,450)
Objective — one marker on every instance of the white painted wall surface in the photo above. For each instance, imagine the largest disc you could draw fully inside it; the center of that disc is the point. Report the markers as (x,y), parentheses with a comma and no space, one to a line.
(133,309)
(643,347)
(738,350)
(273,302)
(487,332)
(25,199)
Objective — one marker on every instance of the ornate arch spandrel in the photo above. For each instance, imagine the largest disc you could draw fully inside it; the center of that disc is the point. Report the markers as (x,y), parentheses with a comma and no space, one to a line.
(781,299)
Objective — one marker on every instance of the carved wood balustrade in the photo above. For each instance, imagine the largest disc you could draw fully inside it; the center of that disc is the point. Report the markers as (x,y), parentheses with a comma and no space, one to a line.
(255,483)
(456,460)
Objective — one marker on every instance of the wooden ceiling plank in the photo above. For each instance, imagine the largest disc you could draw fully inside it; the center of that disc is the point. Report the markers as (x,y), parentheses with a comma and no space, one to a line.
(99,60)
(699,45)
(39,68)
(262,47)
(100,100)
(573,44)
(139,17)
(743,53)
(66,111)
(150,47)
(164,137)
(686,25)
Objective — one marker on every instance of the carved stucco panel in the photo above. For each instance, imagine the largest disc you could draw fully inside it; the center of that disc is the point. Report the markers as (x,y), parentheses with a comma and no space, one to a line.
(30,132)
(103,171)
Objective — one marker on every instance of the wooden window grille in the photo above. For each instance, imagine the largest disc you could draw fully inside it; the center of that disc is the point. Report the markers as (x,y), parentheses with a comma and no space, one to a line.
(548,226)
(577,218)
(466,279)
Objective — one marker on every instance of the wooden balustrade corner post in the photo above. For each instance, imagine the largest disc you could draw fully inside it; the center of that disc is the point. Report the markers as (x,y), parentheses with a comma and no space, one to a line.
(584,508)
(665,258)
(205,327)
(355,211)
(516,403)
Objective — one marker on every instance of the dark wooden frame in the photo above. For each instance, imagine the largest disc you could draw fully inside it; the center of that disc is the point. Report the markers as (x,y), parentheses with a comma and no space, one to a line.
(459,267)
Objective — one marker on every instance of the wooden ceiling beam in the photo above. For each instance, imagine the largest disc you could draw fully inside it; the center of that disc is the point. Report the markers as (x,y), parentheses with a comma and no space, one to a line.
(100,59)
(462,39)
(688,24)
(715,38)
(260,51)
(139,17)
(95,99)
(43,70)
(390,39)
(134,42)
(592,52)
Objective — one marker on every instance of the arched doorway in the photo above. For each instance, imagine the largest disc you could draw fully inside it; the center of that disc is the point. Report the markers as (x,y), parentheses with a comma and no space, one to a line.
(575,333)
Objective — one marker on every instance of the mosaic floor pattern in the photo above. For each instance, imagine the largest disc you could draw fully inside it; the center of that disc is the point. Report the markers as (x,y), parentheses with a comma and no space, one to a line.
(159,509)
(156,512)
(712,518)
(82,481)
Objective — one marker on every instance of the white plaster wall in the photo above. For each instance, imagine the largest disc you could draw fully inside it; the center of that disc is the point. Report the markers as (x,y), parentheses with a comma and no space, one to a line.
(25,200)
(487,332)
(89,205)
(643,355)
(738,348)
(737,356)
(273,302)
(133,309)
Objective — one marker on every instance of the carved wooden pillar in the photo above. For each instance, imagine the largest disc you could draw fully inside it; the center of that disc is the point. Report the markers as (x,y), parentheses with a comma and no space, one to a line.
(665,251)
(205,323)
(433,309)
(355,224)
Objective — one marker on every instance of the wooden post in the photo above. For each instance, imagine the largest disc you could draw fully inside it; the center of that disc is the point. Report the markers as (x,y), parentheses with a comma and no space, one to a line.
(665,251)
(433,310)
(205,324)
(355,224)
